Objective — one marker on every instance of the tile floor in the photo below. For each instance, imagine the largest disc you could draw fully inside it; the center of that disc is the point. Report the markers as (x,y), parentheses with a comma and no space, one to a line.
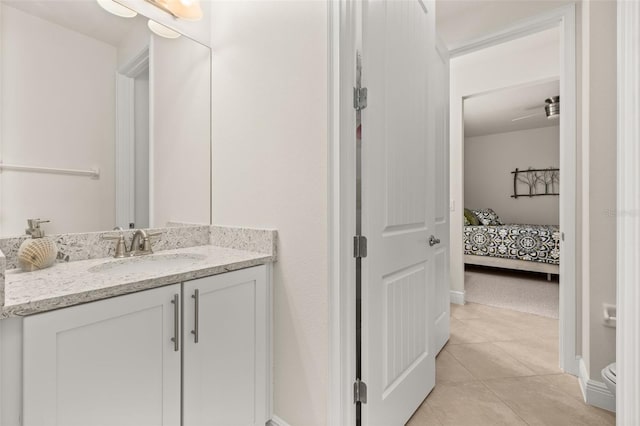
(500,368)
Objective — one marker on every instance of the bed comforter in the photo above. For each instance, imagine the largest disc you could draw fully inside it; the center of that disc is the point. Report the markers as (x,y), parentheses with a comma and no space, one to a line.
(536,243)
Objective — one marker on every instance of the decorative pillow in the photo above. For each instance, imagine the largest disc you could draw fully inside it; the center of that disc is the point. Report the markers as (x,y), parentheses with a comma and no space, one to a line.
(466,221)
(471,218)
(487,217)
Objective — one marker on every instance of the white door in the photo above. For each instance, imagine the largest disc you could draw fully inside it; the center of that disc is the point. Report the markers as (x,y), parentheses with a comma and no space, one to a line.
(225,344)
(398,164)
(440,86)
(104,363)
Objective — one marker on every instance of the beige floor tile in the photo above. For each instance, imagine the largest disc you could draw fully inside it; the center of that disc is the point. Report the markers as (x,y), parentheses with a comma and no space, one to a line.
(465,332)
(501,367)
(566,383)
(537,326)
(539,402)
(539,355)
(470,403)
(485,360)
(448,369)
(424,416)
(502,324)
(496,329)
(473,310)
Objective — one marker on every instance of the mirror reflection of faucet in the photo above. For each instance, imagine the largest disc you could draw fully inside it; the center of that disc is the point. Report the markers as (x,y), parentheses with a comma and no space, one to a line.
(140,243)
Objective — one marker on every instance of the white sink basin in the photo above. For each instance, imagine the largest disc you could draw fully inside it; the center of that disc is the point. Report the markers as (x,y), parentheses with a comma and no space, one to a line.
(147,263)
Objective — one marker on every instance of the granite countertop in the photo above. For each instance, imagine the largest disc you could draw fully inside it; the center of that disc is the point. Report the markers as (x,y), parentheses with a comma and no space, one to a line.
(73,283)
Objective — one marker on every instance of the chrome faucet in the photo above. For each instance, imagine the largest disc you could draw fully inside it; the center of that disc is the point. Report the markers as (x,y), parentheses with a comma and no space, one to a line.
(140,243)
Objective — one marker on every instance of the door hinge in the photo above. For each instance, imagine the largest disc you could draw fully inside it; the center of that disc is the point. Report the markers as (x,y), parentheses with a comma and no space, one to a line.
(359,392)
(359,246)
(359,98)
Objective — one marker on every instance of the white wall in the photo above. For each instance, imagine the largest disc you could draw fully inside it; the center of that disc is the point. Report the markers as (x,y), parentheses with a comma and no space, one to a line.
(463,20)
(488,182)
(497,67)
(134,42)
(180,139)
(57,111)
(599,182)
(270,170)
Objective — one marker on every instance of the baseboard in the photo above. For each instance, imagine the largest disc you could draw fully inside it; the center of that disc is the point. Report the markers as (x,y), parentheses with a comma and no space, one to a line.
(277,421)
(594,392)
(457,297)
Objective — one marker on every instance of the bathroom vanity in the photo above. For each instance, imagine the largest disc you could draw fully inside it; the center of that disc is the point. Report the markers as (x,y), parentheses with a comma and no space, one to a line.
(178,337)
(108,124)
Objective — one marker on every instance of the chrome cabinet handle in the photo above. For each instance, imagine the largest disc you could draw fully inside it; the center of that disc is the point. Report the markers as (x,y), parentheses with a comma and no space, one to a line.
(433,241)
(196,303)
(176,322)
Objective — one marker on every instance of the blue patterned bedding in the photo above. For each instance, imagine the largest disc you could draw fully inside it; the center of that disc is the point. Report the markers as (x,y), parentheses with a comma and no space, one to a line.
(536,243)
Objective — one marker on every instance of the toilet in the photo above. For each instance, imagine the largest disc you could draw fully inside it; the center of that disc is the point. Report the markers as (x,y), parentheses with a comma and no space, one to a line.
(609,376)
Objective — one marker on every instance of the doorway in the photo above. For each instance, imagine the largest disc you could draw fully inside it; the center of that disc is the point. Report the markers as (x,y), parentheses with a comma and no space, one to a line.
(141,149)
(563,22)
(511,152)
(133,148)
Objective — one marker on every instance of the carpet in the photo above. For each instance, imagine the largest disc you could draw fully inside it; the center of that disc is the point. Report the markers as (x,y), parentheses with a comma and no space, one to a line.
(520,291)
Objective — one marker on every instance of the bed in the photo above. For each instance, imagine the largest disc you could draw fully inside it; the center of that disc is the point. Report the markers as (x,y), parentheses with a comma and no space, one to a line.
(523,247)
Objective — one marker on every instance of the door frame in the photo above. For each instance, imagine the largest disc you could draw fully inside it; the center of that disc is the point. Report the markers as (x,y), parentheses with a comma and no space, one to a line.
(628,215)
(343,25)
(563,18)
(125,136)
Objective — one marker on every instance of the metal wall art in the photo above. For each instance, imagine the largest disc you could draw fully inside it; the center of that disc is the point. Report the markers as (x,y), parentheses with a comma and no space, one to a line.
(536,182)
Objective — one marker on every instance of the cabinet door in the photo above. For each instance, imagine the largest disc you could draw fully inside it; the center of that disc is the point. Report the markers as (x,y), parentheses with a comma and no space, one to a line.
(225,371)
(107,363)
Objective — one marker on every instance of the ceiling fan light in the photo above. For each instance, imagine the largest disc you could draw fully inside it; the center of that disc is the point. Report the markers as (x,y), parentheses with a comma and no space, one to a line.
(116,8)
(552,107)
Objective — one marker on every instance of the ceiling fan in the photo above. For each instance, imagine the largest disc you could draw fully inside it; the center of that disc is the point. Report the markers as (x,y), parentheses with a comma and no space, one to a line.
(551,109)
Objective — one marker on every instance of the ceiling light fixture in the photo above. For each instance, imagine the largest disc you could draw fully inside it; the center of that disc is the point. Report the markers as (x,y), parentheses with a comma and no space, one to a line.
(161,30)
(116,8)
(189,10)
(552,107)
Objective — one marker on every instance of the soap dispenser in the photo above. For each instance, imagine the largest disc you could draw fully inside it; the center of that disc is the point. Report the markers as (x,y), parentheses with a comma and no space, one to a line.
(37,252)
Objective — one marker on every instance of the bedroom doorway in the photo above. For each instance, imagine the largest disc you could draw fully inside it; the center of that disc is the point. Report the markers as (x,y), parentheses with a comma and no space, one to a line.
(511,196)
(516,164)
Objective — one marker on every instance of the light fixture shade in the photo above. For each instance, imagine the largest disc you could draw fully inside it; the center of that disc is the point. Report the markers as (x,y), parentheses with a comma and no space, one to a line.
(162,30)
(552,107)
(116,8)
(189,10)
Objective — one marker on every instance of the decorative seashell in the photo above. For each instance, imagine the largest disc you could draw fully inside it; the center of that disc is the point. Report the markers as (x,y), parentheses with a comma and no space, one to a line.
(37,253)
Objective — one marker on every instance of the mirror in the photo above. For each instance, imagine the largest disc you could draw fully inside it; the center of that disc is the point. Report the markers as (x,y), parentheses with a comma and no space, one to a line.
(104,123)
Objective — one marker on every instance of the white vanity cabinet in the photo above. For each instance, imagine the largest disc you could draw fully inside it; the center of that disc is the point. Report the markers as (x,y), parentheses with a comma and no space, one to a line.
(224,372)
(114,362)
(109,362)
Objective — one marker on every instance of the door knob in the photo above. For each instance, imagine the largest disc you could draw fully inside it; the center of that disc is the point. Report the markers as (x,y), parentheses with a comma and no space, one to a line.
(433,241)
